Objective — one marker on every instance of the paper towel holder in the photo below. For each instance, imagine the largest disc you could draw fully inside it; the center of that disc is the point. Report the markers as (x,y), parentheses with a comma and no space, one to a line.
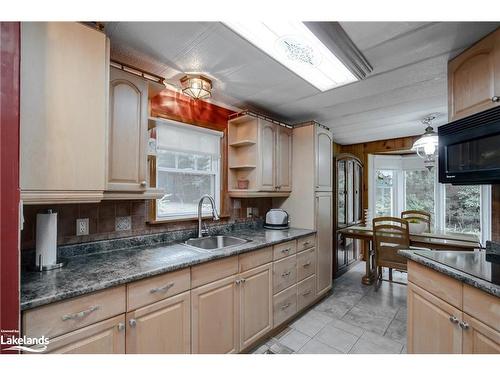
(41,267)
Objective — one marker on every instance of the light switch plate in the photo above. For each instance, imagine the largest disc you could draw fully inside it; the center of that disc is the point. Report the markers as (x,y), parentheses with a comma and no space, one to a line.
(123,223)
(249,211)
(82,227)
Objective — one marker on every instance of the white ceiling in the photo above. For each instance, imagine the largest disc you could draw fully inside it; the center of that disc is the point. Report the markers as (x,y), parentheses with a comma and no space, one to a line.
(408,81)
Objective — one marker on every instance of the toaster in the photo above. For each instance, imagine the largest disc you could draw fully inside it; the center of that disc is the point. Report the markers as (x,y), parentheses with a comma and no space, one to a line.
(276,219)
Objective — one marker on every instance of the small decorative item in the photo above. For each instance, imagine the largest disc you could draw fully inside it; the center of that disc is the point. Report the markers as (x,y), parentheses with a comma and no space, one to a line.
(416,227)
(368,217)
(243,184)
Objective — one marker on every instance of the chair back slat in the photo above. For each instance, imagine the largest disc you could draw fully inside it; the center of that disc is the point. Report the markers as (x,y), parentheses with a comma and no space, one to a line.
(390,234)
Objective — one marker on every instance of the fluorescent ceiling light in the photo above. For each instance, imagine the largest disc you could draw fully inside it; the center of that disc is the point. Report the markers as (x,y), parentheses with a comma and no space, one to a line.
(292,44)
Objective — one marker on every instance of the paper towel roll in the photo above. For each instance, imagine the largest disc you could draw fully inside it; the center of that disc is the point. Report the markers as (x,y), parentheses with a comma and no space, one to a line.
(46,238)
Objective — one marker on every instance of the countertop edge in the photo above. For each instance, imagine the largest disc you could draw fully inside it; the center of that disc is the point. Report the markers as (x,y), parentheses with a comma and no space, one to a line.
(39,302)
(483,285)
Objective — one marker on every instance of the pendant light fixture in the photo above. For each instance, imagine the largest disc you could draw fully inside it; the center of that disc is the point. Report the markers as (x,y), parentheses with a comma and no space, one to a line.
(426,146)
(196,86)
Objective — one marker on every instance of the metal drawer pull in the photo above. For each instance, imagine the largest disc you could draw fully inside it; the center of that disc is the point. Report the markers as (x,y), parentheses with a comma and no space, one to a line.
(463,325)
(453,319)
(285,250)
(162,288)
(306,243)
(307,293)
(285,306)
(495,99)
(307,264)
(286,274)
(132,323)
(80,314)
(121,326)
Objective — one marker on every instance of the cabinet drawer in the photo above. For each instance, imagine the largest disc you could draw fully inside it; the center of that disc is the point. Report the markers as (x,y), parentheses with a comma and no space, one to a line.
(482,306)
(284,273)
(256,258)
(284,249)
(212,271)
(66,316)
(306,263)
(285,305)
(153,289)
(306,242)
(306,292)
(442,286)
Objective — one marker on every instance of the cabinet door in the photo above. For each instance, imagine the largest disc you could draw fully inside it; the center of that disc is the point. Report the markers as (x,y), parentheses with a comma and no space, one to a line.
(478,338)
(284,159)
(161,328)
(341,194)
(215,317)
(256,312)
(324,228)
(358,188)
(474,78)
(350,192)
(324,155)
(267,155)
(127,132)
(107,337)
(432,324)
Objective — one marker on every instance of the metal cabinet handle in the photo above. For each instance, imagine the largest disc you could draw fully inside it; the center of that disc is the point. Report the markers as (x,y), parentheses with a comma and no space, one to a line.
(285,306)
(463,325)
(80,314)
(162,288)
(307,264)
(143,183)
(286,274)
(121,327)
(284,251)
(306,243)
(132,323)
(243,281)
(307,293)
(495,99)
(453,319)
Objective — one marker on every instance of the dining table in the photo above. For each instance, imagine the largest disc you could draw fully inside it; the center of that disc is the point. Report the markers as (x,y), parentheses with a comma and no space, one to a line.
(438,240)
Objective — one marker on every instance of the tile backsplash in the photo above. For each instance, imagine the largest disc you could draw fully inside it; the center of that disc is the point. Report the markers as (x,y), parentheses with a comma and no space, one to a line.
(117,219)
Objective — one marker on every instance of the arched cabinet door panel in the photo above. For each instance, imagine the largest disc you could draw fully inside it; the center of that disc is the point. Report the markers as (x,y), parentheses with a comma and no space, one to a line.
(324,158)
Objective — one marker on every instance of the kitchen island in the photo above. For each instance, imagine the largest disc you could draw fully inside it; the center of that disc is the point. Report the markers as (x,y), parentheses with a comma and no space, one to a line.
(453,302)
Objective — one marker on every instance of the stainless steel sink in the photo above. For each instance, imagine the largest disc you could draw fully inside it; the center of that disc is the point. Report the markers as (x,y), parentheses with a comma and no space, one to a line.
(215,242)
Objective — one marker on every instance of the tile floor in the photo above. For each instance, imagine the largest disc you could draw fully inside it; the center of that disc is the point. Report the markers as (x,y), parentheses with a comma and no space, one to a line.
(355,318)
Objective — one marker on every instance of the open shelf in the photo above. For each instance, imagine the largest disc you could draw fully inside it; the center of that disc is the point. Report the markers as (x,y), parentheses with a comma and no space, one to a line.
(243,166)
(243,143)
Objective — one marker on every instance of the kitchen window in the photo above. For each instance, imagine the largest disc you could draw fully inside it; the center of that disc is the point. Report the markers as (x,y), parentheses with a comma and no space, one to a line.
(398,183)
(187,167)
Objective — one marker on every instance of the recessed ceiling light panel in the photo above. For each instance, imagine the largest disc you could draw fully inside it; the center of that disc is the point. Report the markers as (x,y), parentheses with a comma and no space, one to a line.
(292,44)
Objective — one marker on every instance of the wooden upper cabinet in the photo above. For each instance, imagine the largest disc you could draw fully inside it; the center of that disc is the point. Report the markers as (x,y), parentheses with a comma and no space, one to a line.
(474,78)
(284,159)
(127,133)
(433,324)
(324,159)
(64,80)
(267,141)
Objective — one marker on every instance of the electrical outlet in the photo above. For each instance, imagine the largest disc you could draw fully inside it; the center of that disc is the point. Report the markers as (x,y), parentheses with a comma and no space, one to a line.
(123,223)
(255,212)
(249,211)
(82,227)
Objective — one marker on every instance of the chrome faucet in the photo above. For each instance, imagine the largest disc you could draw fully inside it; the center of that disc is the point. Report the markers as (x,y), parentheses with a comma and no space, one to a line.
(215,215)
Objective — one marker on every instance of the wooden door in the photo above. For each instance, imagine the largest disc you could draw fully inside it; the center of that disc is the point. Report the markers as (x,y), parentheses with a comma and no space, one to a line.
(350,192)
(127,132)
(256,311)
(284,159)
(107,337)
(163,327)
(324,235)
(341,194)
(474,78)
(267,155)
(478,338)
(324,158)
(215,317)
(433,324)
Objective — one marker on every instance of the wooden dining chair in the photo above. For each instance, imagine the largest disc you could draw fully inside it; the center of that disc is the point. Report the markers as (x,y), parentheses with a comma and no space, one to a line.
(390,234)
(419,216)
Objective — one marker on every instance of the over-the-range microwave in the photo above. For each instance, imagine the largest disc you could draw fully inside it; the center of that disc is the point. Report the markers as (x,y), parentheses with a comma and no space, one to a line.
(469,149)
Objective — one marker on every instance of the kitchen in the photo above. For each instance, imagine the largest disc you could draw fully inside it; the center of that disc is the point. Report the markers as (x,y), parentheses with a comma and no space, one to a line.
(261,187)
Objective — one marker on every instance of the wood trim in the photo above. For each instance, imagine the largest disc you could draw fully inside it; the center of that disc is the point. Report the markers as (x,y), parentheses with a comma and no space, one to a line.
(9,176)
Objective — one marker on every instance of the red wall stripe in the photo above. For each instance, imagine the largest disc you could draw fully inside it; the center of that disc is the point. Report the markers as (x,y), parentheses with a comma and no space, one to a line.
(9,176)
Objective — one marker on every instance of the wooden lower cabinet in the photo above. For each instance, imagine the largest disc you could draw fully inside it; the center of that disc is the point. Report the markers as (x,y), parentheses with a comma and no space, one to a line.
(161,328)
(478,338)
(324,254)
(215,317)
(256,308)
(106,337)
(433,324)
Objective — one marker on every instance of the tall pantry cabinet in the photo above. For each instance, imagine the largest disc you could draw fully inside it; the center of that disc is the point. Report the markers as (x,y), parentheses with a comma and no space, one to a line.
(311,201)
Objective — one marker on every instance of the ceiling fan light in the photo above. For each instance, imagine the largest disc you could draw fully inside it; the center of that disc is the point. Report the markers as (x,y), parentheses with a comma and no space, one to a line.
(196,86)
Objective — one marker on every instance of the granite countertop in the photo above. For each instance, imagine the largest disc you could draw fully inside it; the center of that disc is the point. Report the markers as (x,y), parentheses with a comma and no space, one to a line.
(92,272)
(470,267)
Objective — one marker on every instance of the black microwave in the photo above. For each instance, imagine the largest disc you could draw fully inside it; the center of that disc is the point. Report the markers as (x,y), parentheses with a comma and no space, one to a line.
(469,149)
